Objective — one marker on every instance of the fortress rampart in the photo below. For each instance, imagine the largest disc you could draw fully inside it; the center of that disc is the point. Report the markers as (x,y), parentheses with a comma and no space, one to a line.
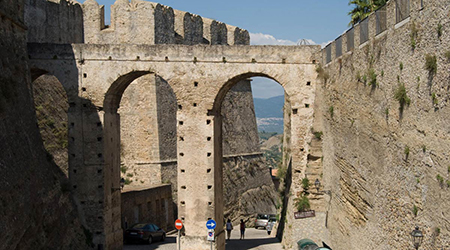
(386,163)
(135,22)
(142,22)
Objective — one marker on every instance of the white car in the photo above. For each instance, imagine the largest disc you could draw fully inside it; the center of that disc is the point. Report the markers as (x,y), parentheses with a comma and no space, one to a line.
(262,220)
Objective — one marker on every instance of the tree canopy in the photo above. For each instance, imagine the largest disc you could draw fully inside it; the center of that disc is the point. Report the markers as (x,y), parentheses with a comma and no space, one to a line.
(363,8)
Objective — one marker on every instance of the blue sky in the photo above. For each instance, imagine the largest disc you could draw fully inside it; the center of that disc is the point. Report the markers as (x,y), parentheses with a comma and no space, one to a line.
(270,22)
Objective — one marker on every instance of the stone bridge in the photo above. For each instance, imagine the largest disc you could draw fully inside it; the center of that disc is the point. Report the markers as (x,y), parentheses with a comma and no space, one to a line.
(95,77)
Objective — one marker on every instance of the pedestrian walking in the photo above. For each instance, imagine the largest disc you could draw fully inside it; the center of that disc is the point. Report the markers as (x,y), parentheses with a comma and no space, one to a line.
(242,229)
(229,227)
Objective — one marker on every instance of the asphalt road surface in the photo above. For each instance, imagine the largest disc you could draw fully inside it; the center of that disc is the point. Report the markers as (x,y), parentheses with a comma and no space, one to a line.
(255,239)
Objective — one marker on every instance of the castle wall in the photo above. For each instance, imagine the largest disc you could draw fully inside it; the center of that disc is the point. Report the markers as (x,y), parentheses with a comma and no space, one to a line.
(54,21)
(36,206)
(382,164)
(143,22)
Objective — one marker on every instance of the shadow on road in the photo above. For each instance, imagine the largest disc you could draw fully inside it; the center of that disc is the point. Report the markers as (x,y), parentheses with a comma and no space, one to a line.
(169,243)
(236,244)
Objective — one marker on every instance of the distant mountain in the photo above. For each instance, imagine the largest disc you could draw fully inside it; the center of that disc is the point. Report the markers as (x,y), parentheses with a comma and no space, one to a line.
(269,114)
(269,108)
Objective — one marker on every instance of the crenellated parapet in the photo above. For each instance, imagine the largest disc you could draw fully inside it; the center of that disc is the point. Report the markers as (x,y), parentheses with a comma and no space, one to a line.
(143,22)
(54,21)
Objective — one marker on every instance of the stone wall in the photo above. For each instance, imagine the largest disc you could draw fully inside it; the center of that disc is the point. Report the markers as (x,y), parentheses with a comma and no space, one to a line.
(50,101)
(382,163)
(36,207)
(248,189)
(240,132)
(143,22)
(54,21)
(148,205)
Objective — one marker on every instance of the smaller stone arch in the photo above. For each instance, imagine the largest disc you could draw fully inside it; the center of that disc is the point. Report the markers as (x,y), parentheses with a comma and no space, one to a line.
(36,73)
(51,104)
(114,94)
(232,81)
(68,81)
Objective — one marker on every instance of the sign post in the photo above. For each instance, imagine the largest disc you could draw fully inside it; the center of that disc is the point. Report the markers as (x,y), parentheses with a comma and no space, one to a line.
(179,226)
(211,225)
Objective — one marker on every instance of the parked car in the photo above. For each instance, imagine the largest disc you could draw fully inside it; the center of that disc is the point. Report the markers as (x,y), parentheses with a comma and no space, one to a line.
(144,232)
(271,224)
(262,220)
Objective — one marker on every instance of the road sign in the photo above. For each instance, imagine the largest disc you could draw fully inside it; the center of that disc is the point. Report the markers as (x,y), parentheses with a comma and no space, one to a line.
(210,235)
(178,224)
(211,224)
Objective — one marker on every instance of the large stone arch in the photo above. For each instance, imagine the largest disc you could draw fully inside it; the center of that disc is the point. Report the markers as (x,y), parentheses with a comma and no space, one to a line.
(235,78)
(112,138)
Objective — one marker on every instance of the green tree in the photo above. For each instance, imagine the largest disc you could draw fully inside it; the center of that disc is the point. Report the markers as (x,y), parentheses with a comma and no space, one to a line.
(363,8)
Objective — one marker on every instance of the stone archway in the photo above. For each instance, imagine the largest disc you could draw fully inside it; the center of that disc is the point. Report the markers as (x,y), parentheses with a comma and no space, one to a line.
(218,142)
(152,140)
(99,81)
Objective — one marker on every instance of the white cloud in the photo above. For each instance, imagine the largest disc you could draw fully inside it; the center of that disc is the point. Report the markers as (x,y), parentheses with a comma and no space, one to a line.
(265,39)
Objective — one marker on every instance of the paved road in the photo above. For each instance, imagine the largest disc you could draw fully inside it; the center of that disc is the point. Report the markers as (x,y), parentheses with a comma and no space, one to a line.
(255,239)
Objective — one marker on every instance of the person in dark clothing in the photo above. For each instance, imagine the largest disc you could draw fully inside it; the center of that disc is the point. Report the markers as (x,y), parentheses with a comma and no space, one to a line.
(242,229)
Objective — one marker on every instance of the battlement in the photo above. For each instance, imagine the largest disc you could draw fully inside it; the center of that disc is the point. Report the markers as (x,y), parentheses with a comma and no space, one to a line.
(143,22)
(381,23)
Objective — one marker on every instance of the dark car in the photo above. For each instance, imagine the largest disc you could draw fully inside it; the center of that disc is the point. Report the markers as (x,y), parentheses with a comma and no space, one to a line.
(144,232)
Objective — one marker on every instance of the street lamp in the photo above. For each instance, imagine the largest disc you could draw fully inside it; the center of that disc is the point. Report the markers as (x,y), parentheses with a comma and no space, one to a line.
(317,184)
(417,237)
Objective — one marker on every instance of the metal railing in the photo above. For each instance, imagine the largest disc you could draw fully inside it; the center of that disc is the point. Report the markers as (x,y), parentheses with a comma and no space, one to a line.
(364,31)
(338,44)
(381,18)
(402,9)
(350,39)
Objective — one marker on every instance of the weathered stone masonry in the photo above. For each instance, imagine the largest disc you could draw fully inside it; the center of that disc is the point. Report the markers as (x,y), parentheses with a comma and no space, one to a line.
(201,159)
(380,163)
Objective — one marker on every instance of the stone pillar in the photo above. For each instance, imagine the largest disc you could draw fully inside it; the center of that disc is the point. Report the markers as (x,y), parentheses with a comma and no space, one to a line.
(197,189)
(112,209)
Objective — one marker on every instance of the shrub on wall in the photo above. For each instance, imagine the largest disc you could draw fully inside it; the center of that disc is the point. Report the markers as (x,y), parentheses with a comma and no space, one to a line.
(431,64)
(302,203)
(440,179)
(372,78)
(318,134)
(439,30)
(447,55)
(305,184)
(406,151)
(401,96)
(331,111)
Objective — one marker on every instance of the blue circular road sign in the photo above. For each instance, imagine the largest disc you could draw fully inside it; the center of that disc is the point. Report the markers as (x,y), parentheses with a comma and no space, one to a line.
(211,224)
